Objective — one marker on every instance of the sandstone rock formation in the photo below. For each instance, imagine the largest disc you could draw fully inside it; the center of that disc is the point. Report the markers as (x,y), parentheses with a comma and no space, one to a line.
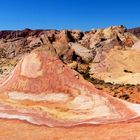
(14,44)
(135,31)
(44,91)
(118,73)
(136,46)
(119,67)
(79,50)
(86,54)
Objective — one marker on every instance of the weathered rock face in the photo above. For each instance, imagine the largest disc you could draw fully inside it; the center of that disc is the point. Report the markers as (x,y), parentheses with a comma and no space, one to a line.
(42,90)
(119,67)
(75,48)
(118,73)
(135,31)
(136,46)
(106,39)
(13,44)
(87,55)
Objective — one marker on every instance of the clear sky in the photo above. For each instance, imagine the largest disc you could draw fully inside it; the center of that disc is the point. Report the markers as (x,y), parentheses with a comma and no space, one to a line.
(68,14)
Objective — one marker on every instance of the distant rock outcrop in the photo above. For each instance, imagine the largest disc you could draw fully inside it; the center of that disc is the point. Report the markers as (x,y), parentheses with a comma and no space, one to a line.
(13,44)
(119,67)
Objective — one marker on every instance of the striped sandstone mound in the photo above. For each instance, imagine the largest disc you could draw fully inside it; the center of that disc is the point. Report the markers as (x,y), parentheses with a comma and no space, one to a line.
(44,91)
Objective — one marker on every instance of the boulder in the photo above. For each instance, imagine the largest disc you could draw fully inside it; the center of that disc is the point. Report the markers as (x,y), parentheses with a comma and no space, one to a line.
(85,54)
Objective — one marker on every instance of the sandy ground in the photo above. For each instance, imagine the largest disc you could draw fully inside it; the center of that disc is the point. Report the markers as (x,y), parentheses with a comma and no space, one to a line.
(20,130)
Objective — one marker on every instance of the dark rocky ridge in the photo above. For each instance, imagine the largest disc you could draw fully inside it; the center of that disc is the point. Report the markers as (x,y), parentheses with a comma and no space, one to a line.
(135,31)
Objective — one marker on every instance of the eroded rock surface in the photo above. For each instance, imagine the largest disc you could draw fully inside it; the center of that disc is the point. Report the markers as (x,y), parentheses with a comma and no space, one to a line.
(14,44)
(44,91)
(135,31)
(119,67)
(79,50)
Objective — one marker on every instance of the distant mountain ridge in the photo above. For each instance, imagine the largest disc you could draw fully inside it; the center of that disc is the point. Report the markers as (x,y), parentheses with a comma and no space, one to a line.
(27,32)
(135,31)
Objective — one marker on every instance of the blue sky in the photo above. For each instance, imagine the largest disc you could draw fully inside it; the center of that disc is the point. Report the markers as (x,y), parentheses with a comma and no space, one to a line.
(68,14)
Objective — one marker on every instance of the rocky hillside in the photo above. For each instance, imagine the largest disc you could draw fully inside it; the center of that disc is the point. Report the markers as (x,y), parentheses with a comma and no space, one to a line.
(135,31)
(109,57)
(69,45)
